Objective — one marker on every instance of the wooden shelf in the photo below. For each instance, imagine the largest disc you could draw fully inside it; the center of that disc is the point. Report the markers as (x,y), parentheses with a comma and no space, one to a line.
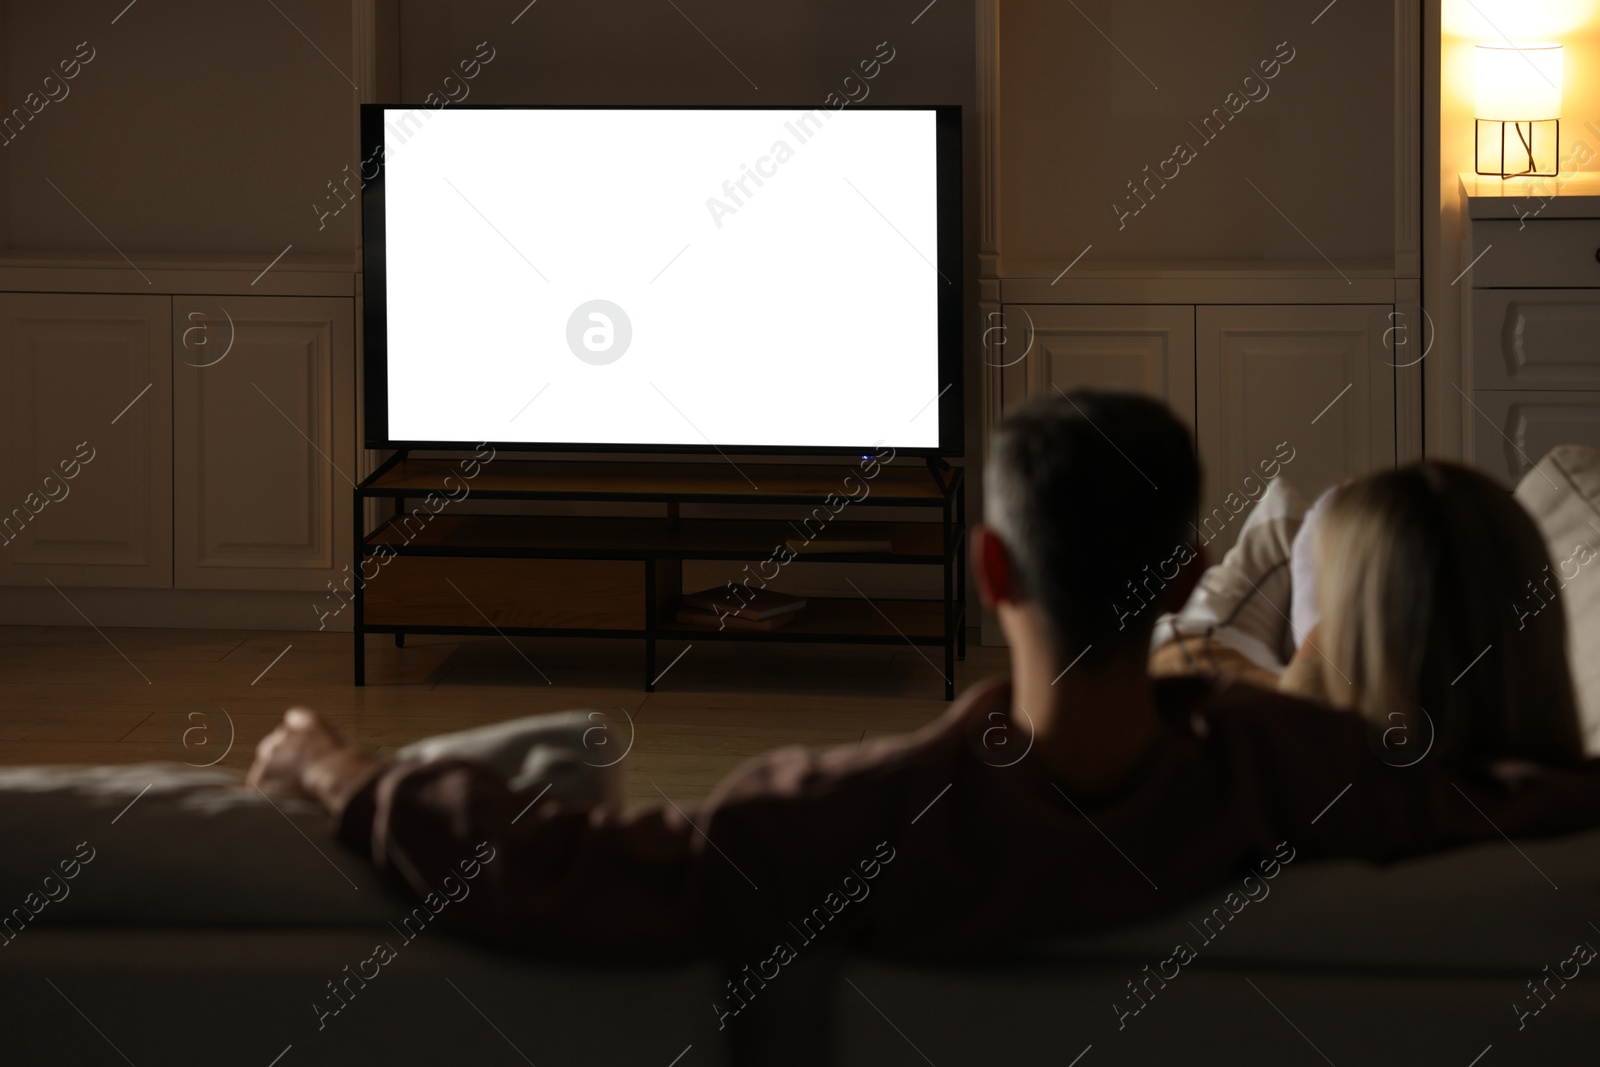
(712,482)
(823,619)
(567,537)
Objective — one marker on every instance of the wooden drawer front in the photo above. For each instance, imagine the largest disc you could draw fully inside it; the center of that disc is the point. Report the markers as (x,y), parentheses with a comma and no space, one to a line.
(534,593)
(1554,252)
(1536,339)
(1511,431)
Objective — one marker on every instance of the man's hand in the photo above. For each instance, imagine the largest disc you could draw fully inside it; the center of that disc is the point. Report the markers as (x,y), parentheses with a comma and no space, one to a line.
(306,755)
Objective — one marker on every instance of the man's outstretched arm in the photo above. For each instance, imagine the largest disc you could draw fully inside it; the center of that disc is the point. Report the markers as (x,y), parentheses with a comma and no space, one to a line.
(725,876)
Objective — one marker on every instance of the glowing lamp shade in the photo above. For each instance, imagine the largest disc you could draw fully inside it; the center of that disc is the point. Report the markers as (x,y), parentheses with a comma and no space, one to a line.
(1518,83)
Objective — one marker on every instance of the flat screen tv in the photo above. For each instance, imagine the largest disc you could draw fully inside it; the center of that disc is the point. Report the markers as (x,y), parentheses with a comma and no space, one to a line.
(663,279)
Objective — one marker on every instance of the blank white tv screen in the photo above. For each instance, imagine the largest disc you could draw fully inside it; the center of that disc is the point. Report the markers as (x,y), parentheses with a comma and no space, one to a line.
(683,279)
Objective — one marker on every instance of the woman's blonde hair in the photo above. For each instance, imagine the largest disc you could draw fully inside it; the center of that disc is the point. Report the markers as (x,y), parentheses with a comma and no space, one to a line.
(1424,585)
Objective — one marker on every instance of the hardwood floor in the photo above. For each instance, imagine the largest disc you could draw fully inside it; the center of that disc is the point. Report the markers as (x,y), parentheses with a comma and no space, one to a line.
(78,695)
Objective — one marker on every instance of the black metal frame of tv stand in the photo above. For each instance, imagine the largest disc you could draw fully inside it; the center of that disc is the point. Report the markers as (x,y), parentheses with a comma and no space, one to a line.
(940,486)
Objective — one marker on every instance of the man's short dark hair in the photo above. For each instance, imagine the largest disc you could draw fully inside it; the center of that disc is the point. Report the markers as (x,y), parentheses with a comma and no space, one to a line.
(1094,495)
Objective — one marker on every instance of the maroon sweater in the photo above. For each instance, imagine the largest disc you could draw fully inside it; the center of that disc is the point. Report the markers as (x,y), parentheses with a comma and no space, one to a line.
(922,845)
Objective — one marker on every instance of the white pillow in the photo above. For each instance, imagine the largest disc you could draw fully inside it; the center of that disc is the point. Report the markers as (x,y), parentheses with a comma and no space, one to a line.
(1562,493)
(1244,601)
(578,752)
(1303,567)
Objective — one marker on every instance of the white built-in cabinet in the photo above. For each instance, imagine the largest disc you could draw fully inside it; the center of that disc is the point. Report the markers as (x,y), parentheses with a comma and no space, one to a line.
(176,441)
(1313,382)
(1145,348)
(185,318)
(86,440)
(263,456)
(1256,382)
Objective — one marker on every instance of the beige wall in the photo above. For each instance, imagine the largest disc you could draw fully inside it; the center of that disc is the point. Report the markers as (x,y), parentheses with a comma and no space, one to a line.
(196,127)
(1080,121)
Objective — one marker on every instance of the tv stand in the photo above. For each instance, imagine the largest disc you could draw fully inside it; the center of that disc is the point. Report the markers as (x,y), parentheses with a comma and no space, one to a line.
(432,568)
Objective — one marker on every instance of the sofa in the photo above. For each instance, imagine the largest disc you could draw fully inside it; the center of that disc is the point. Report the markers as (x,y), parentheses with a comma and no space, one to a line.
(204,924)
(163,914)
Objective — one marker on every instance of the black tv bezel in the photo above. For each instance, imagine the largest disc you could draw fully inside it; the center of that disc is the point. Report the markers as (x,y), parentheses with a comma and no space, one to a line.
(951,401)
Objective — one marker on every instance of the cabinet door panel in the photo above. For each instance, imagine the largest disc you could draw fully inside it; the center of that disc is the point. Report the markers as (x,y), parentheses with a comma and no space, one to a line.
(1314,380)
(1512,430)
(87,391)
(263,443)
(1146,350)
(1535,339)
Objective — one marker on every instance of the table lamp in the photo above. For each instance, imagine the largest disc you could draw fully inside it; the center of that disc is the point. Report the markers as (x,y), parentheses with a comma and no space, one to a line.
(1518,87)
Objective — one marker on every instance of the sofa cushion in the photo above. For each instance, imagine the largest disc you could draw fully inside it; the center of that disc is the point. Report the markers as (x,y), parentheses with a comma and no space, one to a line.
(1562,493)
(184,846)
(164,842)
(247,996)
(1487,906)
(1338,962)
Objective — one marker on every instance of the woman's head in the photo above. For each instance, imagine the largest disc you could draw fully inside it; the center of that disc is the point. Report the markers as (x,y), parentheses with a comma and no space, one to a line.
(1426,579)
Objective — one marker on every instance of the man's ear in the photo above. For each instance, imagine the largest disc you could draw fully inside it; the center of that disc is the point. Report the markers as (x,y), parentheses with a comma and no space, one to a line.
(995,570)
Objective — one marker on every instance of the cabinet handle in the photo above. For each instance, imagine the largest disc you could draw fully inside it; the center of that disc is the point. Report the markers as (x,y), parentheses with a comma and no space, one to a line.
(1597,255)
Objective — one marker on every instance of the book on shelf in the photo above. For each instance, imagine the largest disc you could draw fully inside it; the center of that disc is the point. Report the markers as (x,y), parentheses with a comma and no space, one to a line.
(712,621)
(823,546)
(750,604)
